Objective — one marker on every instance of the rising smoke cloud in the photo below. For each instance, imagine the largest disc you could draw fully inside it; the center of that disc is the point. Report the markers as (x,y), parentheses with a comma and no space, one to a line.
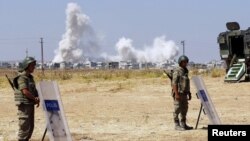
(78,38)
(161,50)
(80,41)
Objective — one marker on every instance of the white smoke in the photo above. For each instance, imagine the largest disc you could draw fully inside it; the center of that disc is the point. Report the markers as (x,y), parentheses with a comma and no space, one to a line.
(125,50)
(78,38)
(161,50)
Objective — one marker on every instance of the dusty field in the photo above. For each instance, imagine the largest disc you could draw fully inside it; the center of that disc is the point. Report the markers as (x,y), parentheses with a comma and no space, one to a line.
(132,109)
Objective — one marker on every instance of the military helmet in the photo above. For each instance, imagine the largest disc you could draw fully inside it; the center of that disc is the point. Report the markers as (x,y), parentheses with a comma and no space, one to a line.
(182,58)
(26,62)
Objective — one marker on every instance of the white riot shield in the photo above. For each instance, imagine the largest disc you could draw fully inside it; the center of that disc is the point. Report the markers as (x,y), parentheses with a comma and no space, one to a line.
(206,100)
(56,122)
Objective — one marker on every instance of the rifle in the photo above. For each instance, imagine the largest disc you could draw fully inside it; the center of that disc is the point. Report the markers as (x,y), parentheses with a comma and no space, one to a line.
(169,74)
(11,84)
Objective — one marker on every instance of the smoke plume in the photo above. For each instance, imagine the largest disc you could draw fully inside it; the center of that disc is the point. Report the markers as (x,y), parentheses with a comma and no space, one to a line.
(79,37)
(161,50)
(80,40)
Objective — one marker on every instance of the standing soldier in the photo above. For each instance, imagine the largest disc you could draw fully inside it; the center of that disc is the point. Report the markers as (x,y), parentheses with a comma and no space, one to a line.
(181,89)
(26,96)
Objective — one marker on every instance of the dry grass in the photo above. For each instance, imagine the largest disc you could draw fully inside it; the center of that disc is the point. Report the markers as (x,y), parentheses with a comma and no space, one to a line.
(123,105)
(89,75)
(217,73)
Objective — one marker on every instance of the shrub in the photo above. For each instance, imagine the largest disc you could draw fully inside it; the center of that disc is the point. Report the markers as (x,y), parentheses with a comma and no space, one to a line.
(217,73)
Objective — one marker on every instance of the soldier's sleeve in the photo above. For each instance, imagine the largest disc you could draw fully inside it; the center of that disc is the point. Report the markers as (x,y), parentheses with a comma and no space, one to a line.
(36,93)
(175,78)
(22,83)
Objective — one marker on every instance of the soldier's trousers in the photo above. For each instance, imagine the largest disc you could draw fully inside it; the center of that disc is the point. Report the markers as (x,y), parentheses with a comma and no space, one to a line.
(181,107)
(26,121)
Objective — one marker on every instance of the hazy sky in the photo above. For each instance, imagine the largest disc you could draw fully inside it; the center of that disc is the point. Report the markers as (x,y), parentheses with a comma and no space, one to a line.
(197,22)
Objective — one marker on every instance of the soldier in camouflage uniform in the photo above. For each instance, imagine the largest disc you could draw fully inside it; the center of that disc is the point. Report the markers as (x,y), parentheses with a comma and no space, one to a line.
(181,93)
(26,96)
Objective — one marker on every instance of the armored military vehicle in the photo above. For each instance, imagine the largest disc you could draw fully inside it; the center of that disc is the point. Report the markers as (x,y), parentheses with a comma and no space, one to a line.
(234,46)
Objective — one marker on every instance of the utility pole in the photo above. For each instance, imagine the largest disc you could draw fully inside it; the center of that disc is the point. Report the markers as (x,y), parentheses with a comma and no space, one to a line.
(42,55)
(183,45)
(27,52)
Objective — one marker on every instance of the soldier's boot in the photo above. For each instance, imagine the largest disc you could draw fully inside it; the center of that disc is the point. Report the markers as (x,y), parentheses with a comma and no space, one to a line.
(178,126)
(185,126)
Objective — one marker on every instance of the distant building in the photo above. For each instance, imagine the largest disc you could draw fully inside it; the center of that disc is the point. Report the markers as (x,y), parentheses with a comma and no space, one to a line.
(78,65)
(90,64)
(169,64)
(5,65)
(113,65)
(100,65)
(123,65)
(134,65)
(147,65)
(215,64)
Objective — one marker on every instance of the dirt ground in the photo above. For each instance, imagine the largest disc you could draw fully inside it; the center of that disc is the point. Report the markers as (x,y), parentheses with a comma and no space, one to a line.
(131,110)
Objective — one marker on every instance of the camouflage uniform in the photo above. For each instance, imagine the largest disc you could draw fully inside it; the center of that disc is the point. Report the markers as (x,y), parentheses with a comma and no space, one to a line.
(181,80)
(25,106)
